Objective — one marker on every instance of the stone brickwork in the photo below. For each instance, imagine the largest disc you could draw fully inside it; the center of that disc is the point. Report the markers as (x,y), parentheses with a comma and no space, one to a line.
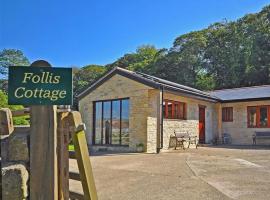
(170,125)
(18,148)
(191,124)
(15,166)
(152,134)
(144,121)
(153,120)
(6,127)
(144,112)
(238,129)
(14,181)
(120,87)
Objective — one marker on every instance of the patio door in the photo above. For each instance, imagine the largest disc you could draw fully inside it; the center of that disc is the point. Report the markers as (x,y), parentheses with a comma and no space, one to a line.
(201,124)
(111,122)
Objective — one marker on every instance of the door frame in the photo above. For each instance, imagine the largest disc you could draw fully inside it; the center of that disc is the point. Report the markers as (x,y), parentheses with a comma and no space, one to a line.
(204,119)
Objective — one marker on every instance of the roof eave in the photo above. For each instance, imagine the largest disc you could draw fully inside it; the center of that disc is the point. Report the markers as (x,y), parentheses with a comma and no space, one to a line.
(193,94)
(245,100)
(111,73)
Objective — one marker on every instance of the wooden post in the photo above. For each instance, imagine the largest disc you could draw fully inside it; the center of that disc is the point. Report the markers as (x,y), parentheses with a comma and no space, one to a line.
(63,155)
(43,154)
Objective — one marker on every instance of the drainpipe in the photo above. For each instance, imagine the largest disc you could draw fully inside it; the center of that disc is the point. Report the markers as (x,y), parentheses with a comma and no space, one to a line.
(160,146)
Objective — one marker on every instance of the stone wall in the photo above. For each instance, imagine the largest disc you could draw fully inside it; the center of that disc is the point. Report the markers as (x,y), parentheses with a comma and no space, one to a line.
(15,166)
(191,124)
(120,87)
(152,134)
(144,112)
(238,129)
(153,120)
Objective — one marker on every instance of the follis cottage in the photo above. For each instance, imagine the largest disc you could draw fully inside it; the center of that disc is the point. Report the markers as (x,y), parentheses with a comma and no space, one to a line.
(125,109)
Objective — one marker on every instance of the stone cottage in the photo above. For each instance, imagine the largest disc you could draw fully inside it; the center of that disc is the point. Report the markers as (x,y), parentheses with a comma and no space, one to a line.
(125,109)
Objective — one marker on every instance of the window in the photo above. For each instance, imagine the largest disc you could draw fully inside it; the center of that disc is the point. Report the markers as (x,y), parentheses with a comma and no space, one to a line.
(174,109)
(252,116)
(258,116)
(227,114)
(263,122)
(111,122)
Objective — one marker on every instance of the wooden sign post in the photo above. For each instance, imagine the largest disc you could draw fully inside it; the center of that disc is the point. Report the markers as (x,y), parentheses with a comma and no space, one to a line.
(43,152)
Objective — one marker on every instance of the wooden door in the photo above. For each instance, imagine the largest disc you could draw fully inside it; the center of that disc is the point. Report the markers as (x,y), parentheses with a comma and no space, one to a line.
(201,124)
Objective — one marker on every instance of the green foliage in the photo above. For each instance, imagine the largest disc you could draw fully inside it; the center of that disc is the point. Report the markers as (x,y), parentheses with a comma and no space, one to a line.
(4,104)
(224,55)
(11,57)
(23,120)
(3,85)
(71,147)
(85,76)
(3,99)
(139,61)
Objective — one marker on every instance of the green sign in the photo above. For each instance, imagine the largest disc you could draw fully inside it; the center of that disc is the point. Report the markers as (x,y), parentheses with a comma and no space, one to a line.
(39,86)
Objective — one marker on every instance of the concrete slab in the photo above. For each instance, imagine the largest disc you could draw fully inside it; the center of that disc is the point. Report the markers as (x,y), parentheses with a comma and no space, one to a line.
(206,173)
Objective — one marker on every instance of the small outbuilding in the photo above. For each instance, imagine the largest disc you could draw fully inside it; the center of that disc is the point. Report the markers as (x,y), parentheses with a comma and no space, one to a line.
(126,110)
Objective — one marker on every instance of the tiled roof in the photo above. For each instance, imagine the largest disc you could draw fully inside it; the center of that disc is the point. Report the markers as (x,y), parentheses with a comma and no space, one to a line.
(235,94)
(244,93)
(151,81)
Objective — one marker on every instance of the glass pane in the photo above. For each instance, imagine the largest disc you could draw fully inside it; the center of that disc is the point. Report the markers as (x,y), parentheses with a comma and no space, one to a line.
(176,110)
(169,109)
(223,114)
(106,122)
(252,116)
(115,122)
(125,122)
(98,122)
(230,114)
(181,110)
(164,109)
(263,117)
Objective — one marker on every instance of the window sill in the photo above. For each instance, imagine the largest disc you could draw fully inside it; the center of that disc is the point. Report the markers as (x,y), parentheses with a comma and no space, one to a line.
(167,119)
(110,145)
(258,127)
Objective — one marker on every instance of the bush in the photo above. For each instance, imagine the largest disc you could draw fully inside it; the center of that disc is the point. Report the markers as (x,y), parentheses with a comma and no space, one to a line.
(4,104)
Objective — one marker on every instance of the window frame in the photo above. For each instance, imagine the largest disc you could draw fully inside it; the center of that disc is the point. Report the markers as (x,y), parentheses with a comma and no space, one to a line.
(174,115)
(102,118)
(258,116)
(227,114)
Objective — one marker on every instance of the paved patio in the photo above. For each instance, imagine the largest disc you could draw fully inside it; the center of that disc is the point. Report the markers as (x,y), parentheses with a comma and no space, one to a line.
(205,173)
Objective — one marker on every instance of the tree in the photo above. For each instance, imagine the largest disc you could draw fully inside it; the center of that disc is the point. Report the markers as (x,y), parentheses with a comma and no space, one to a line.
(139,61)
(85,76)
(4,104)
(224,55)
(11,57)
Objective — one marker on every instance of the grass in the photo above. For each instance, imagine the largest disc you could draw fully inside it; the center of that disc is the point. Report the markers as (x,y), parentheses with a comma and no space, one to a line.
(71,147)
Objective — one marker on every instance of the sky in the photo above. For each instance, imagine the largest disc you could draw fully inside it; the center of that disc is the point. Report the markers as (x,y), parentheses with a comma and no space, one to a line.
(80,32)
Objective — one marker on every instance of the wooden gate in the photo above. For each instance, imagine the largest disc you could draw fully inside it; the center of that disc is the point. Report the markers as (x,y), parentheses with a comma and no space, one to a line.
(68,127)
